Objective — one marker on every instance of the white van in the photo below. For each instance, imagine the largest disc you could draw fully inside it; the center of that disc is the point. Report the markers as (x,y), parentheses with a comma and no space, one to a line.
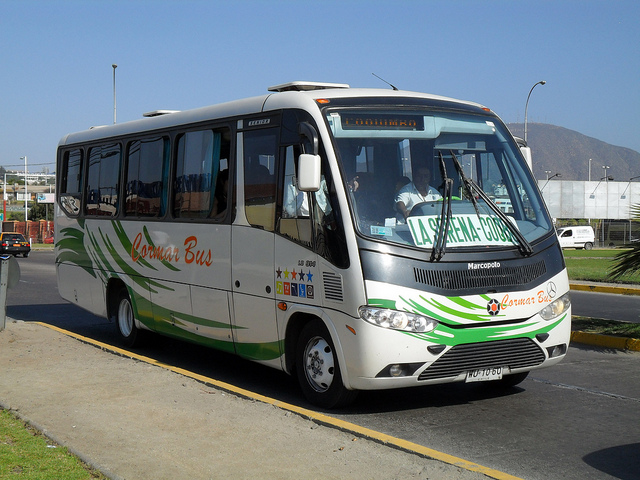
(577,237)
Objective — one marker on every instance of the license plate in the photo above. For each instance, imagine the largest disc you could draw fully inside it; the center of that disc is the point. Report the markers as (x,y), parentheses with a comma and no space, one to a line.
(484,374)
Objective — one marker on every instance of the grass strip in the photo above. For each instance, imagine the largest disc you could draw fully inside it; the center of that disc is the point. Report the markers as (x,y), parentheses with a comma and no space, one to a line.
(26,454)
(605,327)
(595,265)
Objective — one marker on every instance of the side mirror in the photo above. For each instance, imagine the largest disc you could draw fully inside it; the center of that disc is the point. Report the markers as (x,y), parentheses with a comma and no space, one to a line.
(526,153)
(309,172)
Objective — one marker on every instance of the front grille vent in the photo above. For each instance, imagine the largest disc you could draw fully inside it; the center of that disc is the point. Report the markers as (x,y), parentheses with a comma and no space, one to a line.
(481,278)
(332,286)
(514,353)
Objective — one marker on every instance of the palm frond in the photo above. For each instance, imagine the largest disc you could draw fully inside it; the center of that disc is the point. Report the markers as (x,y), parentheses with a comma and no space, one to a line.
(628,261)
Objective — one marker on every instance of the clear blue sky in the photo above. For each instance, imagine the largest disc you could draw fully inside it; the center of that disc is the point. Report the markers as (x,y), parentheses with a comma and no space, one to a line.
(56,56)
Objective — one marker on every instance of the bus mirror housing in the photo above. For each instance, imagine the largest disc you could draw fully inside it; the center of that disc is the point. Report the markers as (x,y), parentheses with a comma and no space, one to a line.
(309,172)
(306,130)
(526,153)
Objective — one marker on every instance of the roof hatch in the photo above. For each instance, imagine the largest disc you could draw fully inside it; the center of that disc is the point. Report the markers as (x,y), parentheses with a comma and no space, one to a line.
(305,86)
(157,113)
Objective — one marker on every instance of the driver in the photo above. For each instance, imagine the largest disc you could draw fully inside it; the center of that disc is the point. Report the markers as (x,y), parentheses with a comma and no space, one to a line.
(415,192)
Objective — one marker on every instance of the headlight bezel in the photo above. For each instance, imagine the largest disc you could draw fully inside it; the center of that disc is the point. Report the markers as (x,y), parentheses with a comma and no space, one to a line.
(397,319)
(556,308)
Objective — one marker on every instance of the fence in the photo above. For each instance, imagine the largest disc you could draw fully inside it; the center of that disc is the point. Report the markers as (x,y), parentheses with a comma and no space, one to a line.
(36,231)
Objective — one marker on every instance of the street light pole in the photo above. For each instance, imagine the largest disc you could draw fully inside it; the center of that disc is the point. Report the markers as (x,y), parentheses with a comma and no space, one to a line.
(114,92)
(25,195)
(526,107)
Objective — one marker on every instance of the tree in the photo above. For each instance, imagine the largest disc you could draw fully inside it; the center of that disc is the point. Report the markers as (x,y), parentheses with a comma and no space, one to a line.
(39,212)
(627,261)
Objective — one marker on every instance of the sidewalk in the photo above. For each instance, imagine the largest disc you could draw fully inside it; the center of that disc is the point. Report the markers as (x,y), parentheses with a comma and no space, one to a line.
(135,420)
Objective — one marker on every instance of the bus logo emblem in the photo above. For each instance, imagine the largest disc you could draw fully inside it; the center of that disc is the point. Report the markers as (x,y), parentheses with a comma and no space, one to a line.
(493,307)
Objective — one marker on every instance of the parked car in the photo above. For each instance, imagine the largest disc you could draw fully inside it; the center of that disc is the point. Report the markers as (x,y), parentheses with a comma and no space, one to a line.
(14,244)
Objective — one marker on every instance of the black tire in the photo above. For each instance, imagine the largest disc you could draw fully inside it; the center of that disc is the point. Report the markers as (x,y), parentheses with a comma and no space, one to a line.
(25,255)
(130,335)
(318,370)
(588,246)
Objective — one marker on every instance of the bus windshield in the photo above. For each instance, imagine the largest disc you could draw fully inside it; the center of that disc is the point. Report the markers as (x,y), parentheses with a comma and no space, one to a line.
(437,180)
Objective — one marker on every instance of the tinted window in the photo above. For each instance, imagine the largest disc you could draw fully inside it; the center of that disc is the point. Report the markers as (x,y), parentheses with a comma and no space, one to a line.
(260,148)
(103,180)
(201,159)
(145,194)
(71,182)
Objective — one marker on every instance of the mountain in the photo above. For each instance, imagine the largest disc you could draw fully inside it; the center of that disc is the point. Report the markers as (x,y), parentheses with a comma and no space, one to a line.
(564,151)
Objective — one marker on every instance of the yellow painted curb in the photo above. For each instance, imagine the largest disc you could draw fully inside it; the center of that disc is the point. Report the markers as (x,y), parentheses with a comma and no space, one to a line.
(606,341)
(604,289)
(319,418)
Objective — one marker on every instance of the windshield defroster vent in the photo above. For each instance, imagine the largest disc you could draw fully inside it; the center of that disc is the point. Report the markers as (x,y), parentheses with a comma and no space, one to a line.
(481,278)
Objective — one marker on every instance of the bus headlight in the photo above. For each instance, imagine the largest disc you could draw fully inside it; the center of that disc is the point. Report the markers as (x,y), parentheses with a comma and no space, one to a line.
(397,320)
(555,308)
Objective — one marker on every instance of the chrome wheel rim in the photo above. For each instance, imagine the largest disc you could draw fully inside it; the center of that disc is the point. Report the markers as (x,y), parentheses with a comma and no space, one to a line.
(318,364)
(125,318)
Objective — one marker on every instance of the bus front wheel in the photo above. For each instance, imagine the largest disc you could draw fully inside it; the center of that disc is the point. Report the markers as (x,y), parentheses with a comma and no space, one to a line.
(125,321)
(318,370)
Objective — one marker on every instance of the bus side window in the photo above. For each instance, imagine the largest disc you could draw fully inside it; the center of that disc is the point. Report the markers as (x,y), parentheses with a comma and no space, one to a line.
(145,184)
(200,156)
(260,149)
(71,182)
(295,221)
(103,177)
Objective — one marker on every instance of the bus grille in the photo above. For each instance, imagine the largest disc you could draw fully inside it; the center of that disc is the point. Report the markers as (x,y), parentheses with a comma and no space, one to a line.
(515,353)
(464,279)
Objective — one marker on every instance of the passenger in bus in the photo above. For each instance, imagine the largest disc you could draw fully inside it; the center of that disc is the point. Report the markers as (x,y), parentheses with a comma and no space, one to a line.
(219,208)
(296,203)
(416,192)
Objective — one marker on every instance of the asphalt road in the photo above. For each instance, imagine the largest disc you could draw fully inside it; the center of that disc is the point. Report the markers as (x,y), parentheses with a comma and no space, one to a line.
(577,420)
(624,308)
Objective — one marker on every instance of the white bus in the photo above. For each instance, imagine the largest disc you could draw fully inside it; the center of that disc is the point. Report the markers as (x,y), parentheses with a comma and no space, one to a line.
(270,227)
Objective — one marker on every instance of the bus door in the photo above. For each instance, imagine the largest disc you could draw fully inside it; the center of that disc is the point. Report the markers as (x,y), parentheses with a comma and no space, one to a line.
(255,333)
(296,260)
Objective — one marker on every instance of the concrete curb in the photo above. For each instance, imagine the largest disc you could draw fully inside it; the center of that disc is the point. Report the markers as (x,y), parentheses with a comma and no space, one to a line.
(606,341)
(592,287)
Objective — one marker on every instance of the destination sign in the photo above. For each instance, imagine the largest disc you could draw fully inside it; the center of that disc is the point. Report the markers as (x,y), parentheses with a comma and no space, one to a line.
(464,231)
(366,121)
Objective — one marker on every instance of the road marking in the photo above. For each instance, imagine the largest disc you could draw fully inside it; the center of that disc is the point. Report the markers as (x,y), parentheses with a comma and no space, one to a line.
(586,390)
(317,417)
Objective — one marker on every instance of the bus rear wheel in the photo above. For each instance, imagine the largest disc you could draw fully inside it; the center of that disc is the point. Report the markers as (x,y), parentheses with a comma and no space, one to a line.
(125,320)
(318,370)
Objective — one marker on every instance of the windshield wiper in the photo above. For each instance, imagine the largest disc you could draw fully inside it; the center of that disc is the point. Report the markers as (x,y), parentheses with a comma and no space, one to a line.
(471,187)
(440,243)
